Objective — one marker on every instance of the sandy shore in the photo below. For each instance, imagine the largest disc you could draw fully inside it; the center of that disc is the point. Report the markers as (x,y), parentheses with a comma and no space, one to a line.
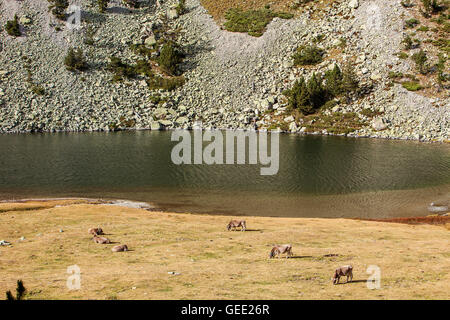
(189,256)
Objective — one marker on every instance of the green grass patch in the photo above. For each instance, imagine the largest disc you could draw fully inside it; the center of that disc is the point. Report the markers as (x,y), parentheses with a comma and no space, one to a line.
(412,86)
(253,22)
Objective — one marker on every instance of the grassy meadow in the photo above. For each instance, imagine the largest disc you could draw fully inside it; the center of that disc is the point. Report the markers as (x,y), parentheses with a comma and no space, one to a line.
(210,262)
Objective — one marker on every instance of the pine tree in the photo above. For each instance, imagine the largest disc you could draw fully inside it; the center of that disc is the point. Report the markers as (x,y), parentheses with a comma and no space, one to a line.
(349,80)
(333,80)
(316,92)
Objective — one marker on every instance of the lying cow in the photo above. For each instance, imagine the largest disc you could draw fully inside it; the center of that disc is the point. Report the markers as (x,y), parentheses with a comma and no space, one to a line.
(100,240)
(237,224)
(95,231)
(121,248)
(277,250)
(342,272)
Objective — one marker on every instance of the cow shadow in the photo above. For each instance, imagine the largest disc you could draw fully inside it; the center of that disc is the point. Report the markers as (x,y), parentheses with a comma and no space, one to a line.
(353,281)
(301,257)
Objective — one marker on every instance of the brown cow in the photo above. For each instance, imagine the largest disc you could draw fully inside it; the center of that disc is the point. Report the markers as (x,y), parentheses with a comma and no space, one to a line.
(101,240)
(342,272)
(120,248)
(277,250)
(236,224)
(95,231)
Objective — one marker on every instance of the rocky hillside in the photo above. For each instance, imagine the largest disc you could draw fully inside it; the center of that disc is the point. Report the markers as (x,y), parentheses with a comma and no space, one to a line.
(226,79)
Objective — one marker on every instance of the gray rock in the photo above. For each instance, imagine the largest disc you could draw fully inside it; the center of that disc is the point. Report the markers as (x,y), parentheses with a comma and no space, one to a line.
(379,124)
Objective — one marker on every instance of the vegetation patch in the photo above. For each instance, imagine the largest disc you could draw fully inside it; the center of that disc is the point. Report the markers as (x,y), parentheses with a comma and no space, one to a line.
(309,96)
(58,8)
(308,55)
(12,27)
(412,86)
(253,22)
(75,60)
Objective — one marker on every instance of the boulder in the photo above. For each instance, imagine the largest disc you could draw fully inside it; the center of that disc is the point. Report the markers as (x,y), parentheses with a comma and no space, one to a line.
(379,124)
(353,4)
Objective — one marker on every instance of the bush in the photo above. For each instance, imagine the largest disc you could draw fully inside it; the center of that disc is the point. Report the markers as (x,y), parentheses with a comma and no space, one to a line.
(181,7)
(333,82)
(102,5)
(349,80)
(75,60)
(169,58)
(120,69)
(169,84)
(412,86)
(12,27)
(20,292)
(58,8)
(252,22)
(420,58)
(308,55)
(431,6)
(411,23)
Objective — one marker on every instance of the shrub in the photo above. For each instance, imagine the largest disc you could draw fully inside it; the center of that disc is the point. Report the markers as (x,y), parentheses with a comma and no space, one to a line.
(58,8)
(402,55)
(349,80)
(102,5)
(407,4)
(120,69)
(412,86)
(423,29)
(20,292)
(411,23)
(431,6)
(169,58)
(252,22)
(333,81)
(12,27)
(420,58)
(75,60)
(169,84)
(181,7)
(407,41)
(308,55)
(298,97)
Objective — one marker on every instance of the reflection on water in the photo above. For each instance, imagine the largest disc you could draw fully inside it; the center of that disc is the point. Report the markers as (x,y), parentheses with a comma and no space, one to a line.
(318,176)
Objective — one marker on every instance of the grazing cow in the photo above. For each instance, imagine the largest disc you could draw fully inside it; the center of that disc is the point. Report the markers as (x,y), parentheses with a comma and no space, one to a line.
(100,240)
(95,231)
(277,250)
(236,224)
(342,272)
(120,248)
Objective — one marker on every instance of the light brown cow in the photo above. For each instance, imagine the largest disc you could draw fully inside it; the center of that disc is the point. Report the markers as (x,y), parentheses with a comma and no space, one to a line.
(101,240)
(280,249)
(95,231)
(120,248)
(342,272)
(236,224)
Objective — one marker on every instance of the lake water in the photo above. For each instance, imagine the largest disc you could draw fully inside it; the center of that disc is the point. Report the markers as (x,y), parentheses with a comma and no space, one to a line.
(318,176)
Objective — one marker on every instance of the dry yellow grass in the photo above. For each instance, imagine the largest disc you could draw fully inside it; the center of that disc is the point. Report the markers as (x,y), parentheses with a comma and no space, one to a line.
(214,263)
(218,8)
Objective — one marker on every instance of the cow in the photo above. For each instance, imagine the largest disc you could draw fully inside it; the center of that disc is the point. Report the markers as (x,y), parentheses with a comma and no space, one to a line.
(120,248)
(342,272)
(95,231)
(236,224)
(100,240)
(280,249)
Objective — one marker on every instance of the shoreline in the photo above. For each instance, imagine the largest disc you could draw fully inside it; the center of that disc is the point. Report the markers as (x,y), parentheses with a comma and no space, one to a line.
(39,203)
(350,135)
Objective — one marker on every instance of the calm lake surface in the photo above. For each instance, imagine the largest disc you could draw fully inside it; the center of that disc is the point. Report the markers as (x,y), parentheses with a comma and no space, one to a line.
(318,176)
